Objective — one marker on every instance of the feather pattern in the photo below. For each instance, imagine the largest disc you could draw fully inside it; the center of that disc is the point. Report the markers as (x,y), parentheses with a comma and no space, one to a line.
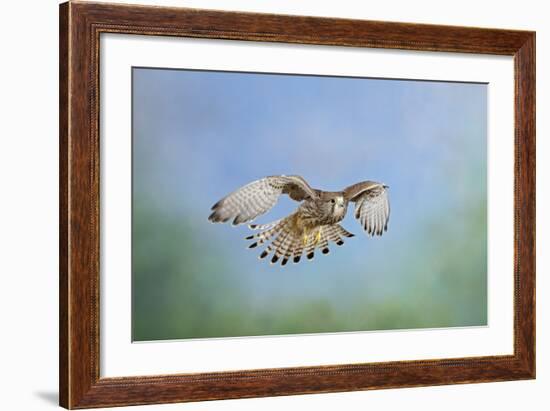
(284,243)
(258,197)
(372,206)
(315,223)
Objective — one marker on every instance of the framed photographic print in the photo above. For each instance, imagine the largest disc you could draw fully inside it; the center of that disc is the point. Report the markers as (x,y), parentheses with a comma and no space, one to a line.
(258,205)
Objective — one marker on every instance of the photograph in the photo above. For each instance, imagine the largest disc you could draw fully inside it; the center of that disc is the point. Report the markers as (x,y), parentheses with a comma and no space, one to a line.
(273,204)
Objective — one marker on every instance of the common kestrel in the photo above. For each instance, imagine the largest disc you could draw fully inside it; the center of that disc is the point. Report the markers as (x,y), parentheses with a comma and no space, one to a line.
(315,222)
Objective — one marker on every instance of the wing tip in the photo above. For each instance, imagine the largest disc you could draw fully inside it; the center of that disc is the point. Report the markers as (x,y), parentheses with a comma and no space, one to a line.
(217,205)
(214,217)
(239,219)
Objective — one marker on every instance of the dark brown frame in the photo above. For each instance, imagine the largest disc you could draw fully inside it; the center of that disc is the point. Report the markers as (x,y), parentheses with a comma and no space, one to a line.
(80,27)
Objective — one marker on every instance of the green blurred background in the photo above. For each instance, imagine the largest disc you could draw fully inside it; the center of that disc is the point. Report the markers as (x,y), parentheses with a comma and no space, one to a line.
(198,135)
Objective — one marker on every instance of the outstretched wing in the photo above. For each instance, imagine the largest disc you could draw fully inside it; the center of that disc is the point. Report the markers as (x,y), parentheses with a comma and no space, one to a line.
(258,197)
(372,205)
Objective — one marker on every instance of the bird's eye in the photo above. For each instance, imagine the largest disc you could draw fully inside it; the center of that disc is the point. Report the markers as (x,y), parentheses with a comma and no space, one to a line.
(333,201)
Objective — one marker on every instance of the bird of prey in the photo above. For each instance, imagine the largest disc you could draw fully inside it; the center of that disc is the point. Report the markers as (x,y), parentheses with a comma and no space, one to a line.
(314,224)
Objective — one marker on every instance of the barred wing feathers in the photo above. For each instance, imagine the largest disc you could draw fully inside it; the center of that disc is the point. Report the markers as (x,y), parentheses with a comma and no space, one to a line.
(372,205)
(258,197)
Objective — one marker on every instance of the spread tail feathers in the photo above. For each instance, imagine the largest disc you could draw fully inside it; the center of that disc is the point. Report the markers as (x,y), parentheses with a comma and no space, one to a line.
(285,242)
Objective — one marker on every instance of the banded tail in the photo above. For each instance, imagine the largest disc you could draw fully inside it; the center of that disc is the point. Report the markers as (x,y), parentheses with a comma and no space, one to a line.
(285,242)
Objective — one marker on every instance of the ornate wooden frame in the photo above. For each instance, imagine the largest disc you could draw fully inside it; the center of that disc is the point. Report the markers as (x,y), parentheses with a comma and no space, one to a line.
(81,24)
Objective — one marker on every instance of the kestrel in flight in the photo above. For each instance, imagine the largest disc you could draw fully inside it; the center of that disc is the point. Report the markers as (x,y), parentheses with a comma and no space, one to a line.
(315,222)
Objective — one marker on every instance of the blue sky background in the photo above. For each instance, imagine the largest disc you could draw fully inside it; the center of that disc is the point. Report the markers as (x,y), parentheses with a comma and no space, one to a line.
(198,135)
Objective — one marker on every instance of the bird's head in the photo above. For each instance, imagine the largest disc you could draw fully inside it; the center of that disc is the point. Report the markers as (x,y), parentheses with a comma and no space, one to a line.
(335,204)
(337,200)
